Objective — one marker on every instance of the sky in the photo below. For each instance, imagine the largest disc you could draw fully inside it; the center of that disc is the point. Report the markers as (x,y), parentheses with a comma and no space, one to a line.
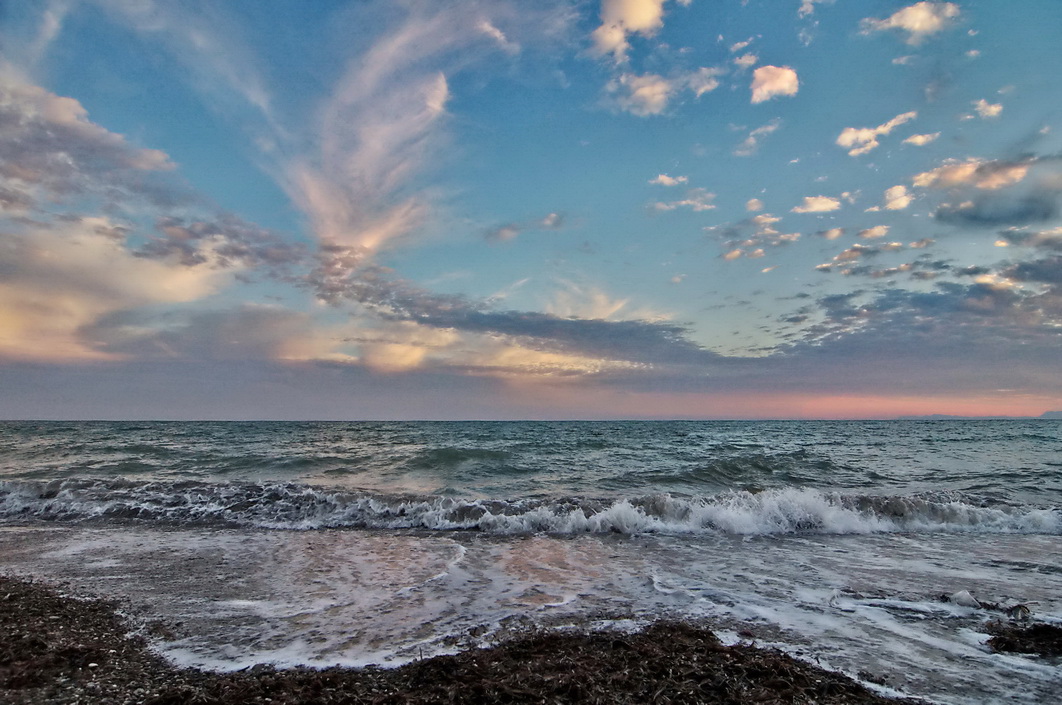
(266,209)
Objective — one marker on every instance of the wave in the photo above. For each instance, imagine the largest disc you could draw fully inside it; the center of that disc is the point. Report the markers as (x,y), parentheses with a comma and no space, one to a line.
(788,510)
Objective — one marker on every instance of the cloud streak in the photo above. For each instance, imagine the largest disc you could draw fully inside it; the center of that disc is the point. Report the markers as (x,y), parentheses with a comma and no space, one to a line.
(860,140)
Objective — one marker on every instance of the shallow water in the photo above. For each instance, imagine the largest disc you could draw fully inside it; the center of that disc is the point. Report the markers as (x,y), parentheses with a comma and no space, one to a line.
(834,541)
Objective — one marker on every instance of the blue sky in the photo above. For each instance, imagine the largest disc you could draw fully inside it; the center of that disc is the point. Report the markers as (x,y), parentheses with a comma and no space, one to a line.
(617,208)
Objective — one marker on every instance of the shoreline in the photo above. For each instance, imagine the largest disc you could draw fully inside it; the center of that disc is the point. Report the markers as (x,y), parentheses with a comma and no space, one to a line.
(56,648)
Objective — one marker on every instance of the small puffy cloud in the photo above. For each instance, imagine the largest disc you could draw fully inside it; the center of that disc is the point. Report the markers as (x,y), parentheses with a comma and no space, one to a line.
(981,174)
(853,253)
(874,232)
(746,61)
(738,46)
(503,233)
(703,80)
(897,198)
(771,81)
(807,7)
(697,199)
(751,144)
(620,18)
(753,205)
(551,221)
(817,204)
(986,109)
(665,180)
(643,95)
(751,237)
(918,21)
(649,94)
(920,140)
(860,140)
(765,221)
(832,233)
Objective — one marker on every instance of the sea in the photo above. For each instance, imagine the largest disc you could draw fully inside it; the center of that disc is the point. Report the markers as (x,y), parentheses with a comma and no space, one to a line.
(881,549)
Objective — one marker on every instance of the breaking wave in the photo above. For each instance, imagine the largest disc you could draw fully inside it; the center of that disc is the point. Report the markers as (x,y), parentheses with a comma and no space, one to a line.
(291,506)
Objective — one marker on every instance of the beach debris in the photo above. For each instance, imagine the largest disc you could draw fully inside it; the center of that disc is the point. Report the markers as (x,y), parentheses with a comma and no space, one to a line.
(1041,639)
(963,598)
(875,678)
(1019,612)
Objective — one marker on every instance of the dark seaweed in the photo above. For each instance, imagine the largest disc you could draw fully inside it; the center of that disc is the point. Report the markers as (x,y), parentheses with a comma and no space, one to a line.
(56,649)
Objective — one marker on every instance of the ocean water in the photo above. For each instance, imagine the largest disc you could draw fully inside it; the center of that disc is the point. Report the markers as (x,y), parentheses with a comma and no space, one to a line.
(359,543)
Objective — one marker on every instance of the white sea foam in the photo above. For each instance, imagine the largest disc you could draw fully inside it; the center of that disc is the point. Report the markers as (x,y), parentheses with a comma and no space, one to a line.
(788,510)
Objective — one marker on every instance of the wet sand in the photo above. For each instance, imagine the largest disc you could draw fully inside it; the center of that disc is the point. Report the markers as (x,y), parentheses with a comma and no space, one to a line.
(56,648)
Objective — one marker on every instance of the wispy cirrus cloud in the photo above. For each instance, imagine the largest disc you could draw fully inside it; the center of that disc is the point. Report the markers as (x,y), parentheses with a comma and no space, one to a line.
(751,144)
(509,231)
(696,199)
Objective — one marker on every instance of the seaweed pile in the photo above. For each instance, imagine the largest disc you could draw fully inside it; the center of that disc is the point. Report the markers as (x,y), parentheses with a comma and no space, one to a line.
(1039,639)
(56,649)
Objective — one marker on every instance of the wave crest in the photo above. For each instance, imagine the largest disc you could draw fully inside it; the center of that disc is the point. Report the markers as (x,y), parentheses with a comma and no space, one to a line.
(789,510)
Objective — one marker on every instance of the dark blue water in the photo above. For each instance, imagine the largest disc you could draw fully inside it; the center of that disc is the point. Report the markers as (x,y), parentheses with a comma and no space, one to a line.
(529,476)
